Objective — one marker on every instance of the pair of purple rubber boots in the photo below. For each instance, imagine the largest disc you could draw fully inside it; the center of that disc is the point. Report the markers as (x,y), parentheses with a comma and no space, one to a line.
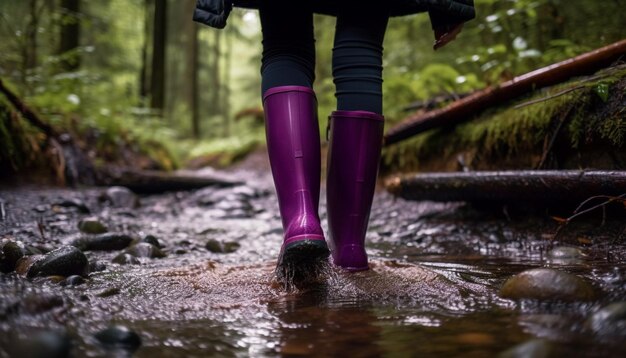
(294,150)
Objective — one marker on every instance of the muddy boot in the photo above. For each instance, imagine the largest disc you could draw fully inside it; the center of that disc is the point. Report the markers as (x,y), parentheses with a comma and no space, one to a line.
(353,156)
(293,145)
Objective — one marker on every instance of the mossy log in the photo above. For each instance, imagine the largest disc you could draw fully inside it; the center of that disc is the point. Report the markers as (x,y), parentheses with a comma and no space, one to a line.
(467,107)
(538,186)
(151,182)
(30,115)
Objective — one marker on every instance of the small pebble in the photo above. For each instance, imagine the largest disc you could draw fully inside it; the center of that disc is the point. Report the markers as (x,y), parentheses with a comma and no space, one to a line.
(152,240)
(108,292)
(41,208)
(565,252)
(10,253)
(92,226)
(74,203)
(121,197)
(118,336)
(125,259)
(144,249)
(97,266)
(73,280)
(64,261)
(24,264)
(222,247)
(104,242)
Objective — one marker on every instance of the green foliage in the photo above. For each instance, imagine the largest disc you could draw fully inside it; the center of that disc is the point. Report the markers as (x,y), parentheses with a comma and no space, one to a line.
(103,97)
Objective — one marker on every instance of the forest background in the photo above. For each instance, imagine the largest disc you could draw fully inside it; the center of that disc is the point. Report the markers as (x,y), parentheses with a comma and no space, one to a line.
(141,70)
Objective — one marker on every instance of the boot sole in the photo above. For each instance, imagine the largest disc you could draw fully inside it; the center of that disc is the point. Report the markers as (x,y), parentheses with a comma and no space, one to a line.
(301,262)
(304,250)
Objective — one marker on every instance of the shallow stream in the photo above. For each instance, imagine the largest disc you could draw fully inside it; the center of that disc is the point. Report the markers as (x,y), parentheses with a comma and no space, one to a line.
(433,289)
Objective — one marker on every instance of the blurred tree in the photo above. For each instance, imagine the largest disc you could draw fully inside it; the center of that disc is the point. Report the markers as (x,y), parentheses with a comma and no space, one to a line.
(191,69)
(159,45)
(70,35)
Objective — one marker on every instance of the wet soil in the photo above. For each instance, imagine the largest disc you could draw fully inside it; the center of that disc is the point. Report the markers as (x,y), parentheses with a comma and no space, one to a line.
(433,288)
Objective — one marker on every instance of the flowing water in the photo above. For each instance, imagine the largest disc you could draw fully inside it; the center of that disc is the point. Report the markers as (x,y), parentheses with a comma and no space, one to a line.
(436,270)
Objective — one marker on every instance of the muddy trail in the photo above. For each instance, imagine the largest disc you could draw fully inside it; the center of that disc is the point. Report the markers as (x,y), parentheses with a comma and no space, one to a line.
(102,272)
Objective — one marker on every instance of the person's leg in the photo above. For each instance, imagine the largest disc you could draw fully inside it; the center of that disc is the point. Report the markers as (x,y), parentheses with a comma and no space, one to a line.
(357,57)
(292,133)
(356,131)
(288,44)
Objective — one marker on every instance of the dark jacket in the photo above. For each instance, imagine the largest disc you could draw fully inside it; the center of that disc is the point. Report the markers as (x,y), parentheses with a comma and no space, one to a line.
(442,13)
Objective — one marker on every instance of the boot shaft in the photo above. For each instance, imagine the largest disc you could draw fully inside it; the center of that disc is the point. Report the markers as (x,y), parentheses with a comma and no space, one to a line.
(293,145)
(353,159)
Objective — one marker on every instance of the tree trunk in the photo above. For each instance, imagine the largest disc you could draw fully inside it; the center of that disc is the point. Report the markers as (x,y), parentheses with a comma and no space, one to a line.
(227,68)
(530,186)
(29,48)
(159,44)
(70,35)
(191,70)
(215,75)
(144,78)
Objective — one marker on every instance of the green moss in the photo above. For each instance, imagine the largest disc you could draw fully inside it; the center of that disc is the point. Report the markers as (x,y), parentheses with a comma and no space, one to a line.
(504,133)
(20,144)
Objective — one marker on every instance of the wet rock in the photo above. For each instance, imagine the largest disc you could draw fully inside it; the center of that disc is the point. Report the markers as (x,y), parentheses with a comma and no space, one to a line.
(565,252)
(180,251)
(97,266)
(25,263)
(119,337)
(609,320)
(565,255)
(74,203)
(48,344)
(121,197)
(222,247)
(64,261)
(112,291)
(104,242)
(10,253)
(92,226)
(535,348)
(41,208)
(547,284)
(143,249)
(125,259)
(73,280)
(152,240)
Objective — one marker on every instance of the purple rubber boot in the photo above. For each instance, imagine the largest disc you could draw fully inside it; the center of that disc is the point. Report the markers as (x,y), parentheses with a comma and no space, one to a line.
(353,157)
(293,144)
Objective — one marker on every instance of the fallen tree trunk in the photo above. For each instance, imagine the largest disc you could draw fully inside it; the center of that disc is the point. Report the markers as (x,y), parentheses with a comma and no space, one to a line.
(31,116)
(469,106)
(540,186)
(151,182)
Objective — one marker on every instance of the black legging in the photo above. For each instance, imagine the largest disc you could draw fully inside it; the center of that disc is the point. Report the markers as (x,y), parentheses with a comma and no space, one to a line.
(289,50)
